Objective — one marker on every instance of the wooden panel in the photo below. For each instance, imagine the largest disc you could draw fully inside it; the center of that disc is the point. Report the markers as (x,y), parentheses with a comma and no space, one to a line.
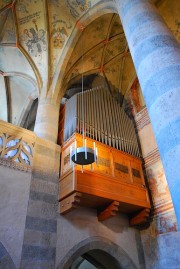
(137,173)
(122,168)
(117,177)
(104,165)
(109,188)
(65,160)
(66,185)
(140,218)
(110,161)
(69,203)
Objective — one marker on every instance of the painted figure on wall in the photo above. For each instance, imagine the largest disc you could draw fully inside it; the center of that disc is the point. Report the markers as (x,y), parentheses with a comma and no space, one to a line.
(34,39)
(158,184)
(166,225)
(82,5)
(59,35)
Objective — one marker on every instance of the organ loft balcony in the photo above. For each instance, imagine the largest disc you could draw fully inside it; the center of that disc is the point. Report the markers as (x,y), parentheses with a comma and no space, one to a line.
(115,184)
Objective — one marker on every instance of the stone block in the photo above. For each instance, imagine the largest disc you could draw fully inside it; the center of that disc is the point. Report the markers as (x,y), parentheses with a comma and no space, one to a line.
(42,209)
(40,196)
(43,186)
(37,238)
(37,253)
(37,265)
(42,225)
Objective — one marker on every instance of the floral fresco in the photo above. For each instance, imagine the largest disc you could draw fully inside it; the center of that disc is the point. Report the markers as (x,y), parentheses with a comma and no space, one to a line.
(4,3)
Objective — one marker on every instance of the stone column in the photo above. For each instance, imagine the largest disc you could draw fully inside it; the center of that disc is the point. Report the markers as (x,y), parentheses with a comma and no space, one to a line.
(156,56)
(47,118)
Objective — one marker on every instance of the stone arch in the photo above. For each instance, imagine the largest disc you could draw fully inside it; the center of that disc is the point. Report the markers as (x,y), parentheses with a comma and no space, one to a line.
(99,243)
(5,259)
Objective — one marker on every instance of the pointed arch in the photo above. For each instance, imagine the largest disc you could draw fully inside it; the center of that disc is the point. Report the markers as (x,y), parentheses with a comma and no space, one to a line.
(99,243)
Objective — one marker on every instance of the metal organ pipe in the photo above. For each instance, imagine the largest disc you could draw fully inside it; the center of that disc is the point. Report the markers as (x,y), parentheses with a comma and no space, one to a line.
(105,120)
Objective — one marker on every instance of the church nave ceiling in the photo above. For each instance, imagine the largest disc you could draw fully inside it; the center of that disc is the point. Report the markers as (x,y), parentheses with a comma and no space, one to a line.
(42,42)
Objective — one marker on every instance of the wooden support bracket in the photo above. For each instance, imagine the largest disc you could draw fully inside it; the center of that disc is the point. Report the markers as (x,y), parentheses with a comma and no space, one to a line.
(140,218)
(69,203)
(110,211)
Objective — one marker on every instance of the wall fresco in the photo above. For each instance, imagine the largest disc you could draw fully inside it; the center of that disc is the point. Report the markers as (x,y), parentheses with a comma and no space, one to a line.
(116,28)
(34,40)
(89,63)
(61,25)
(115,47)
(164,219)
(164,215)
(94,61)
(59,32)
(169,10)
(112,73)
(158,183)
(31,18)
(4,3)
(78,6)
(7,28)
(63,16)
(164,223)
(99,30)
(176,32)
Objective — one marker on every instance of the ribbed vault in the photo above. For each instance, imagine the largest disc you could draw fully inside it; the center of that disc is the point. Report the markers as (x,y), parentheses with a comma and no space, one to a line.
(42,42)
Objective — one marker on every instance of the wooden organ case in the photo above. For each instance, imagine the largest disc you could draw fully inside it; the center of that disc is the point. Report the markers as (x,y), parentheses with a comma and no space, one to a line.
(116,182)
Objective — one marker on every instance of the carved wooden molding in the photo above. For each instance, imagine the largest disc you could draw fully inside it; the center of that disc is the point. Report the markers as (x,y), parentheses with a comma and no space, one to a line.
(110,211)
(69,203)
(140,218)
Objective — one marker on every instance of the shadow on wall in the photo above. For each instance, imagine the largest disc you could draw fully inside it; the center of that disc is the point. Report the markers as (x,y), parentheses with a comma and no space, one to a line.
(5,259)
(98,251)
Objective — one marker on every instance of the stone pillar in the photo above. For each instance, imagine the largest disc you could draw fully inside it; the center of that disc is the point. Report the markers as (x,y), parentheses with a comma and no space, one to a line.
(47,118)
(40,233)
(156,56)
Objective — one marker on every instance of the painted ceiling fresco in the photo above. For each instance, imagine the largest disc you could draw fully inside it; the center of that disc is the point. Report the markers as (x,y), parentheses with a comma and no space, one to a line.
(42,43)
(102,49)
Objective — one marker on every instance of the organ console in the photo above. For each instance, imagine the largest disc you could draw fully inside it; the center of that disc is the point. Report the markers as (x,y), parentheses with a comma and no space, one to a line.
(116,182)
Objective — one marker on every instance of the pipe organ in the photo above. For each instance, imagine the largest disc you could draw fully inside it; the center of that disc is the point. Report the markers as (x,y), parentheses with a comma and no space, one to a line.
(115,183)
(104,119)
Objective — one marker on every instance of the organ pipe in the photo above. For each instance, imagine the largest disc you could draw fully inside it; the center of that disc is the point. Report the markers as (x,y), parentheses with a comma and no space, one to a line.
(104,119)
